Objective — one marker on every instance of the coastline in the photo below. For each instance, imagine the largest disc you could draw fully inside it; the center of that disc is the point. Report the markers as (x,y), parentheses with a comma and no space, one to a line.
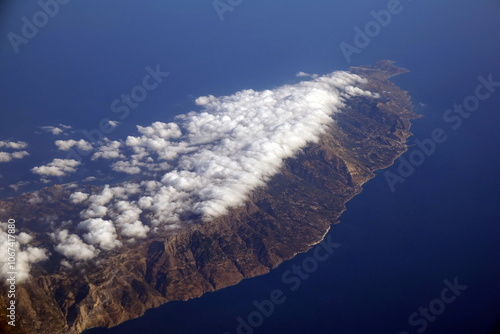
(287,217)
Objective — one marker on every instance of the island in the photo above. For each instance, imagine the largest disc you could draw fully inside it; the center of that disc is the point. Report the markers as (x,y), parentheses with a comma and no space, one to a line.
(287,216)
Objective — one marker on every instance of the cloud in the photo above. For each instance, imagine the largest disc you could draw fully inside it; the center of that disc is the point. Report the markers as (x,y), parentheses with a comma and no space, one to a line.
(72,247)
(65,145)
(52,129)
(56,130)
(58,167)
(305,75)
(214,158)
(14,145)
(94,211)
(19,185)
(110,150)
(25,258)
(150,151)
(127,167)
(201,165)
(7,157)
(35,198)
(78,197)
(25,255)
(113,124)
(24,238)
(100,232)
(135,230)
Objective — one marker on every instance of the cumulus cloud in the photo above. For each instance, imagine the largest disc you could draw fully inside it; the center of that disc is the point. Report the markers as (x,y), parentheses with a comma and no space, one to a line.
(72,247)
(78,197)
(135,230)
(65,145)
(110,150)
(55,130)
(8,157)
(25,255)
(19,145)
(58,167)
(128,167)
(204,163)
(217,156)
(24,238)
(157,144)
(94,211)
(100,232)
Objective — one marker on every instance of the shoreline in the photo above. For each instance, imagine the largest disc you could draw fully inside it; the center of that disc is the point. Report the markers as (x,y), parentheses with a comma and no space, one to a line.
(288,216)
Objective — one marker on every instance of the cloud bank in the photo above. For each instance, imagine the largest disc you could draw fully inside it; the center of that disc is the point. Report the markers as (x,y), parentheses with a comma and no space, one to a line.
(208,161)
(201,165)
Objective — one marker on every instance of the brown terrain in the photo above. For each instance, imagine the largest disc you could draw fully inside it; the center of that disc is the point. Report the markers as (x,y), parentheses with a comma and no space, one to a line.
(292,213)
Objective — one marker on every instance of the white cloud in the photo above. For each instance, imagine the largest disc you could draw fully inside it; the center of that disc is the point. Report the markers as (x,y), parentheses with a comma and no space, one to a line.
(8,157)
(20,154)
(24,238)
(65,145)
(114,124)
(204,163)
(19,145)
(110,150)
(5,157)
(94,211)
(103,198)
(35,198)
(305,75)
(161,130)
(52,129)
(25,255)
(235,144)
(56,130)
(58,167)
(100,232)
(72,247)
(78,197)
(126,167)
(19,185)
(135,230)
(302,74)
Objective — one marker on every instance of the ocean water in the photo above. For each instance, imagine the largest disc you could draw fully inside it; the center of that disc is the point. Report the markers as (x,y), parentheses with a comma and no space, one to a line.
(397,247)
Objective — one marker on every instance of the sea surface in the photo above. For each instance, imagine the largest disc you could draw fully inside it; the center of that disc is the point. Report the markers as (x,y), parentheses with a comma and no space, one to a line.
(396,247)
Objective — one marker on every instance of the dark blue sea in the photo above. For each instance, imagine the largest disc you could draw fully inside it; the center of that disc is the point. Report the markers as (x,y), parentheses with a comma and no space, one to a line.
(399,250)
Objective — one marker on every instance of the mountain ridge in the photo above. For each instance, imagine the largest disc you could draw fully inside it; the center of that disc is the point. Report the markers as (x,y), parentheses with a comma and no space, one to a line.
(290,214)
